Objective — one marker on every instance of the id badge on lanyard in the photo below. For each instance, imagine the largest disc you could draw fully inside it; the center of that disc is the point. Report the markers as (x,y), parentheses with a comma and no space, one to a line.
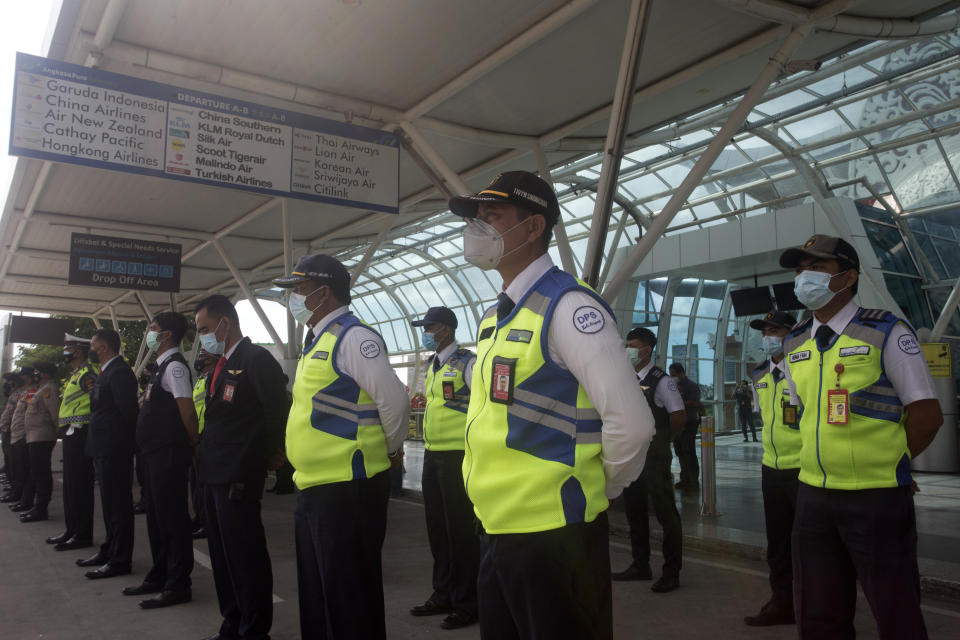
(838,401)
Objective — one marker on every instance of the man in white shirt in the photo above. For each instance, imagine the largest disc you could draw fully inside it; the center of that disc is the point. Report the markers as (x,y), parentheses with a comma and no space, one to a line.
(345,429)
(555,426)
(656,481)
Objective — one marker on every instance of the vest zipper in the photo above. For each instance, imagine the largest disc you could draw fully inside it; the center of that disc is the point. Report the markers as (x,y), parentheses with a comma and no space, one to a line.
(466,434)
(773,423)
(819,397)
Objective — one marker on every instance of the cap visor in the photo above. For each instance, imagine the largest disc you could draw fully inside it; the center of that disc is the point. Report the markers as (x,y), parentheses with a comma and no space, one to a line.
(419,323)
(791,257)
(289,281)
(758,324)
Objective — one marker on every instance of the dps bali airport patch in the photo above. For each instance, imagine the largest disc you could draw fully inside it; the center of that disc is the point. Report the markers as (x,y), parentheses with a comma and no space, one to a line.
(588,319)
(908,344)
(369,349)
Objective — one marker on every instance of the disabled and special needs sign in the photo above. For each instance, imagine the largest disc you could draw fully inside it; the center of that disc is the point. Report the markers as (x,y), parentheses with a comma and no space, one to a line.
(67,113)
(124,263)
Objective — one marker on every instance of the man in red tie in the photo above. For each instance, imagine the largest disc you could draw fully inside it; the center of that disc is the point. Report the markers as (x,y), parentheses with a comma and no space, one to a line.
(246,410)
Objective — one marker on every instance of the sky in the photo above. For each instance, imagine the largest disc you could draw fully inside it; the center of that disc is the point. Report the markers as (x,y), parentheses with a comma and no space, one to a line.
(24,28)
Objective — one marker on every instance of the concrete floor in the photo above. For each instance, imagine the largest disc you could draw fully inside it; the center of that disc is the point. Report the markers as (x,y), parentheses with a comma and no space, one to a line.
(44,595)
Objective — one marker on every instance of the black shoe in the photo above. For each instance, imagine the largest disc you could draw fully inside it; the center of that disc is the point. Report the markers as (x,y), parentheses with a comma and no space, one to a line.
(10,497)
(199,533)
(284,489)
(35,515)
(746,440)
(96,560)
(431,607)
(755,440)
(220,636)
(665,584)
(770,615)
(74,543)
(106,571)
(633,572)
(140,508)
(458,620)
(166,599)
(142,589)
(63,537)
(19,506)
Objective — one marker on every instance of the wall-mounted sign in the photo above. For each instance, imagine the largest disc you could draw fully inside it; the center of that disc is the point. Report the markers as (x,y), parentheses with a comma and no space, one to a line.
(68,113)
(123,263)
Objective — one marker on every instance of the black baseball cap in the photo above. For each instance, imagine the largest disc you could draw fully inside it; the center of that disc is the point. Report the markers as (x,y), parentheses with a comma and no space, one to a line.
(643,335)
(824,248)
(522,188)
(316,267)
(47,368)
(440,315)
(775,318)
(26,371)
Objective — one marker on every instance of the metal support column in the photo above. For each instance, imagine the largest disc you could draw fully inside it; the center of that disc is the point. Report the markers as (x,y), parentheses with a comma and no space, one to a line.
(737,117)
(559,230)
(946,314)
(248,292)
(425,149)
(147,313)
(708,467)
(113,318)
(613,148)
(96,323)
(361,266)
(291,347)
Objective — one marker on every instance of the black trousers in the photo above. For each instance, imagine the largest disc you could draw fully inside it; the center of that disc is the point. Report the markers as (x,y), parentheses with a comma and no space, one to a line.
(339,531)
(7,455)
(655,485)
(196,496)
(115,475)
(451,529)
(547,585)
(685,446)
(39,485)
(168,517)
(842,536)
(20,462)
(78,480)
(746,420)
(242,572)
(779,505)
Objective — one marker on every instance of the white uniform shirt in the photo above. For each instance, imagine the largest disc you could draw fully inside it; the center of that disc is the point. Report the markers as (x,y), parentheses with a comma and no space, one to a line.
(591,349)
(903,360)
(176,379)
(363,356)
(666,395)
(444,354)
(782,365)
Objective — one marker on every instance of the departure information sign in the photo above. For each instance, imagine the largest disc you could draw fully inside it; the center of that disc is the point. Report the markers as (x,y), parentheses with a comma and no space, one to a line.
(68,113)
(124,263)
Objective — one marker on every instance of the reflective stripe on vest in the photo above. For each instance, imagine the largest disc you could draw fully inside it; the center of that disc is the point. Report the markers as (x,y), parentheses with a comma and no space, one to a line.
(445,420)
(200,399)
(870,451)
(75,406)
(333,429)
(533,464)
(781,443)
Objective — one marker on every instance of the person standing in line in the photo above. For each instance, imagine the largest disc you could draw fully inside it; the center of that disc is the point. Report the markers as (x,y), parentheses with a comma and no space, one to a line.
(113,423)
(242,437)
(685,444)
(11,388)
(40,426)
(555,427)
(18,441)
(78,472)
(869,407)
(203,364)
(656,479)
(451,524)
(167,439)
(14,456)
(346,428)
(745,411)
(780,433)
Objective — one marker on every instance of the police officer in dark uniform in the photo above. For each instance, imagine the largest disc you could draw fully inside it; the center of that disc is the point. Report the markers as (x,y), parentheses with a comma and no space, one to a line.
(656,479)
(167,437)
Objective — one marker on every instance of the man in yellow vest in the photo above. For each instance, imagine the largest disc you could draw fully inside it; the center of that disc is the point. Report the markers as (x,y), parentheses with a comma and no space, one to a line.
(203,364)
(78,474)
(869,406)
(345,429)
(451,525)
(780,465)
(555,426)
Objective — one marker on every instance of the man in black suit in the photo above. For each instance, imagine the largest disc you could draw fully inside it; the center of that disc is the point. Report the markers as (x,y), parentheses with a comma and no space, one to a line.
(242,437)
(113,421)
(167,437)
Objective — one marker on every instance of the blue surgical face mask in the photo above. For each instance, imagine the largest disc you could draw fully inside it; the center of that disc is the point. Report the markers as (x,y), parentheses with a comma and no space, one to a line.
(812,289)
(771,345)
(428,341)
(210,343)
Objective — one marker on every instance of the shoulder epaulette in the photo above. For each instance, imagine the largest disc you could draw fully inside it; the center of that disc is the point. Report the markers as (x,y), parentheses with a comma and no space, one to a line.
(876,315)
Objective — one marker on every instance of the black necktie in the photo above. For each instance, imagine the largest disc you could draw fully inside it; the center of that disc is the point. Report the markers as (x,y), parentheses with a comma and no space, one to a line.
(824,337)
(436,363)
(777,375)
(504,306)
(308,339)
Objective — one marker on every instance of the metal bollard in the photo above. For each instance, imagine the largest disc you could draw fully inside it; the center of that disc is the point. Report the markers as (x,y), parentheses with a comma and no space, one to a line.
(708,505)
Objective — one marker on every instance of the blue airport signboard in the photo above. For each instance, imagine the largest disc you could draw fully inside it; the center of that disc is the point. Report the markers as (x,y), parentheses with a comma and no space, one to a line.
(67,113)
(124,263)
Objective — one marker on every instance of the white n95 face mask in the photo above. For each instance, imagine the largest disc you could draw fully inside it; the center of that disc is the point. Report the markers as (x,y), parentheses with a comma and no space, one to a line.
(483,245)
